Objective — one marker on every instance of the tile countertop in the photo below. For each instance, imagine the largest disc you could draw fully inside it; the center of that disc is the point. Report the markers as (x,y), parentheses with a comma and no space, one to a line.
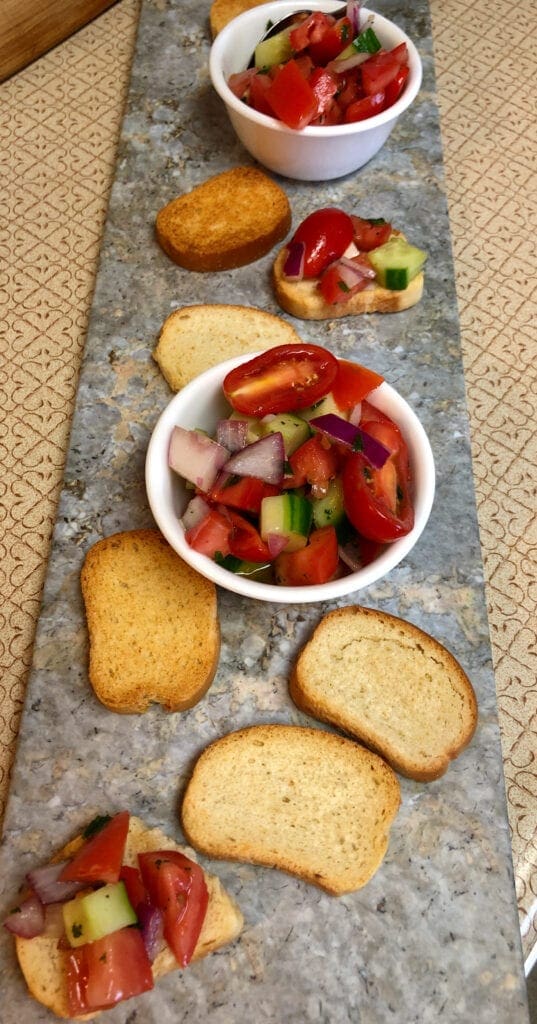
(448,866)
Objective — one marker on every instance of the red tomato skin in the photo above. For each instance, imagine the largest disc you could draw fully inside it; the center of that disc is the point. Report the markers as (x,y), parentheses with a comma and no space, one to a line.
(375,511)
(210,535)
(314,564)
(245,494)
(326,234)
(367,235)
(100,858)
(177,886)
(396,86)
(310,29)
(282,378)
(353,383)
(135,888)
(259,86)
(290,97)
(335,38)
(245,541)
(314,463)
(367,107)
(324,87)
(103,973)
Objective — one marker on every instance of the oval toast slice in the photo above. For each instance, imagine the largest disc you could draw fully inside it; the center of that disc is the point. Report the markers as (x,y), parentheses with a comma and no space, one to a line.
(303,800)
(390,685)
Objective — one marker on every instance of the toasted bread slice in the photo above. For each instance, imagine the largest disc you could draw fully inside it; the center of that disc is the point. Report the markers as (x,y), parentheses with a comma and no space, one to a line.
(223,11)
(194,338)
(304,300)
(303,800)
(231,219)
(390,685)
(43,961)
(153,624)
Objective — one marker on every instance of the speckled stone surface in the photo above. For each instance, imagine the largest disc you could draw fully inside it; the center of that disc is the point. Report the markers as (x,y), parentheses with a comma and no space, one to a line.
(434,936)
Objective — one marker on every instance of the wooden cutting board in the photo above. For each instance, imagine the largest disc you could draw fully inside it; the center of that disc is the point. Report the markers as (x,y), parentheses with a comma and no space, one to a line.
(28,28)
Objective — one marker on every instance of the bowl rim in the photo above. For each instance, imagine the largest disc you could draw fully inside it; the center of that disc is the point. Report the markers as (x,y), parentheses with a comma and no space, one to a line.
(167,520)
(242,22)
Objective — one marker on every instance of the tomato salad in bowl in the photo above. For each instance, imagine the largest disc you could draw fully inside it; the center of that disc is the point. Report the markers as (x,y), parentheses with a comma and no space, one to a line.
(291,475)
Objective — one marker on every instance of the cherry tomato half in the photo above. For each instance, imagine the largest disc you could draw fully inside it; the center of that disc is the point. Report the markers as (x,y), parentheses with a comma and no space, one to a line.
(176,885)
(378,501)
(100,858)
(326,234)
(283,378)
(103,973)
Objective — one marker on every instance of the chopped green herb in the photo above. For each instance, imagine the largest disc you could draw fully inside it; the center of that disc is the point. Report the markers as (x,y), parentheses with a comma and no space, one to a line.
(399,492)
(77,930)
(344,287)
(375,220)
(358,444)
(96,825)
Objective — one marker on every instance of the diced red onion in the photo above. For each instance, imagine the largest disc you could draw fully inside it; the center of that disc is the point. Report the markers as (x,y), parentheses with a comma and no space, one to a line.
(195,512)
(28,920)
(196,457)
(232,434)
(338,429)
(47,887)
(151,924)
(360,267)
(353,14)
(276,543)
(339,67)
(355,414)
(350,555)
(293,267)
(263,459)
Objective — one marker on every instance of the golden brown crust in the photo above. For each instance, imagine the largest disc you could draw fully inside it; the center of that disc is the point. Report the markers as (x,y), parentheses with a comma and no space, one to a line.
(230,220)
(43,964)
(223,11)
(389,685)
(194,338)
(303,299)
(153,624)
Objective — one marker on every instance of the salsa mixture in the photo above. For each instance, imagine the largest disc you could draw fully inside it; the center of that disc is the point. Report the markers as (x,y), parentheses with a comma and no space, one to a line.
(323,70)
(305,480)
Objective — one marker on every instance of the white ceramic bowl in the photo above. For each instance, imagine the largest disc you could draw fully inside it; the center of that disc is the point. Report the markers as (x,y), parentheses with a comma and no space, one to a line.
(314,153)
(201,404)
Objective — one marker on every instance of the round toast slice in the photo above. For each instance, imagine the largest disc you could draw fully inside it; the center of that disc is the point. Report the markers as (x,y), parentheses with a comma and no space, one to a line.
(390,685)
(303,800)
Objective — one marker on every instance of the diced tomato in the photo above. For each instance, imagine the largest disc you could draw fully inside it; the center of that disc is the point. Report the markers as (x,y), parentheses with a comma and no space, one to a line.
(210,535)
(316,563)
(332,42)
(176,885)
(353,383)
(103,973)
(367,107)
(350,88)
(314,463)
(378,501)
(369,234)
(326,234)
(134,886)
(100,858)
(324,87)
(291,98)
(257,95)
(396,86)
(310,30)
(245,542)
(245,493)
(382,68)
(304,64)
(240,82)
(282,378)
(338,284)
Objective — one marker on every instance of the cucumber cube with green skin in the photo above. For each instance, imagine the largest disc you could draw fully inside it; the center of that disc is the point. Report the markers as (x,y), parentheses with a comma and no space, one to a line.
(330,510)
(289,515)
(91,917)
(275,50)
(396,263)
(322,408)
(294,430)
(253,432)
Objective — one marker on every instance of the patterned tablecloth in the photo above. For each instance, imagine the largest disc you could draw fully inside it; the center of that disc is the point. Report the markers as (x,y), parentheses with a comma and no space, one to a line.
(59,123)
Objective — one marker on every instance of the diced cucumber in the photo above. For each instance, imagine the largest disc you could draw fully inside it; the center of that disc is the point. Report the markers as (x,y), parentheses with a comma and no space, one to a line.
(330,510)
(293,429)
(275,50)
(261,571)
(366,42)
(396,263)
(254,425)
(289,515)
(88,918)
(322,408)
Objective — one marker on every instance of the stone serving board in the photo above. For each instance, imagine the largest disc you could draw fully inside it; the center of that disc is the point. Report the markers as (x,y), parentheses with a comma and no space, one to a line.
(434,936)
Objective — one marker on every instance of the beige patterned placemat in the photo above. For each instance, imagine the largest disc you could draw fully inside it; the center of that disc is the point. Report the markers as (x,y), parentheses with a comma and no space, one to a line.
(59,123)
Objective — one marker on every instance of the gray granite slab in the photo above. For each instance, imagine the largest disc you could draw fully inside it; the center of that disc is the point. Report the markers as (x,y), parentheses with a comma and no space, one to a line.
(434,936)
